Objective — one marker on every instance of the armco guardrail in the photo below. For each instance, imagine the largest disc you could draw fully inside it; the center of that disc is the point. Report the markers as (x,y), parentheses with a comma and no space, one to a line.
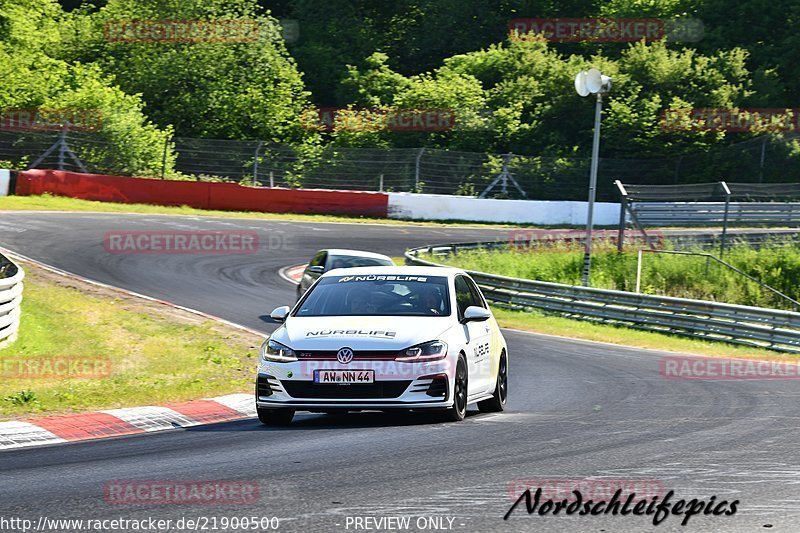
(11,276)
(739,324)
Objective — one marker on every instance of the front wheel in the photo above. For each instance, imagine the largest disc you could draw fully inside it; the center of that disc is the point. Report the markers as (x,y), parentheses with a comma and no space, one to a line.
(458,410)
(497,402)
(275,417)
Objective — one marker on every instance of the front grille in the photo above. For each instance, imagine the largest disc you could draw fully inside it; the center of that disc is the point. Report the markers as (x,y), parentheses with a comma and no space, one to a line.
(380,389)
(358,355)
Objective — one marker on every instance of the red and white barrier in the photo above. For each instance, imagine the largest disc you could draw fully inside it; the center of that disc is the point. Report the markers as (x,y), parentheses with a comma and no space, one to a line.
(234,197)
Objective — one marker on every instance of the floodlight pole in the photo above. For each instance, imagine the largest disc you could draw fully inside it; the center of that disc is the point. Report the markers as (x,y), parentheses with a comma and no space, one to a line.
(587,254)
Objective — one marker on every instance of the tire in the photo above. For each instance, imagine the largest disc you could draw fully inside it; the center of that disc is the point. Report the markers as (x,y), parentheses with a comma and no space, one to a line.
(275,417)
(458,411)
(497,402)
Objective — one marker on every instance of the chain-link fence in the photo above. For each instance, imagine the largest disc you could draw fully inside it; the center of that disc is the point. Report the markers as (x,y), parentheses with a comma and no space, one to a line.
(766,159)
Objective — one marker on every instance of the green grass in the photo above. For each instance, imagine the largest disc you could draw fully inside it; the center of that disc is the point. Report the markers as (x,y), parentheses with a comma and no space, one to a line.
(156,355)
(60,203)
(777,265)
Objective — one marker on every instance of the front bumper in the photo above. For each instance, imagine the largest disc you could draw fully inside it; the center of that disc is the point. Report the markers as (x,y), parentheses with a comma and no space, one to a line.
(397,385)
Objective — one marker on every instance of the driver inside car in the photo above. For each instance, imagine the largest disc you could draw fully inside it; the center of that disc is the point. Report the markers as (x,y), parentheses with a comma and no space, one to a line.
(359,302)
(430,300)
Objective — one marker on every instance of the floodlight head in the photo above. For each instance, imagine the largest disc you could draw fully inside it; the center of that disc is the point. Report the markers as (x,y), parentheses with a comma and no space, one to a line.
(580,84)
(594,80)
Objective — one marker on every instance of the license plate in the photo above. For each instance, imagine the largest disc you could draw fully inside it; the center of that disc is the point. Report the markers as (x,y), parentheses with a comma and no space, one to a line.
(344,377)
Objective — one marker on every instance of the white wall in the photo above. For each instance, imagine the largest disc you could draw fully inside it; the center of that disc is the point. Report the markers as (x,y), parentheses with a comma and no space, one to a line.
(444,207)
(5,181)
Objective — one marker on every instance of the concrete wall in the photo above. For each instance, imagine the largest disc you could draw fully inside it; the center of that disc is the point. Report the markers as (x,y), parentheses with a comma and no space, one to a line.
(443,207)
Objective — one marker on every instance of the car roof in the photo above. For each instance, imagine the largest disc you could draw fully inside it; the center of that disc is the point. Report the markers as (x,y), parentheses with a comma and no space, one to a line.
(356,253)
(395,270)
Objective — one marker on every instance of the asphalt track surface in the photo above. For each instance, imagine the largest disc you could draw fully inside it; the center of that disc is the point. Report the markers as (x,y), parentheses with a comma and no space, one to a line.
(577,410)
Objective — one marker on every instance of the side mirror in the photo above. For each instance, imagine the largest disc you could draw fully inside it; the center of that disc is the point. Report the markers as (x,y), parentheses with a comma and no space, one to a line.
(316,269)
(474,313)
(279,314)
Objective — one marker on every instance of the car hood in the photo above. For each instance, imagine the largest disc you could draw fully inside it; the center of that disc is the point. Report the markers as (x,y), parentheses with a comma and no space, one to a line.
(359,332)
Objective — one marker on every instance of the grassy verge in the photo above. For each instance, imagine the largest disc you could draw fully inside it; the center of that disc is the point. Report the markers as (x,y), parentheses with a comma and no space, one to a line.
(155,354)
(60,203)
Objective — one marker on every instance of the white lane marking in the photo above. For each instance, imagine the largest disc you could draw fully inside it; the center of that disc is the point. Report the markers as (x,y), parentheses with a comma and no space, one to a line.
(151,418)
(242,403)
(17,434)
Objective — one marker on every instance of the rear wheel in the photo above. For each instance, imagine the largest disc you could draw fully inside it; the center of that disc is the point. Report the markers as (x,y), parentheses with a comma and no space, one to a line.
(497,402)
(275,417)
(458,410)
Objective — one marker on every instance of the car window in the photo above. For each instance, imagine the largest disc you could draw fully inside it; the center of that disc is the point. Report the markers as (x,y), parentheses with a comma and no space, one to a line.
(477,298)
(318,259)
(377,295)
(349,261)
(463,295)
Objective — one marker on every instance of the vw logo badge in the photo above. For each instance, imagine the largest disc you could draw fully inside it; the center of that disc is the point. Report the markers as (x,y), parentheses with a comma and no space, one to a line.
(344,356)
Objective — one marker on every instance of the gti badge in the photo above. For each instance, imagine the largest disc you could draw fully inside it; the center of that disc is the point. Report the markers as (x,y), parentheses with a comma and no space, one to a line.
(344,356)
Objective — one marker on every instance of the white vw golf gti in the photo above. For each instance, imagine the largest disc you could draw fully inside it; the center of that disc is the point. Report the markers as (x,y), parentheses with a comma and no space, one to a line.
(384,338)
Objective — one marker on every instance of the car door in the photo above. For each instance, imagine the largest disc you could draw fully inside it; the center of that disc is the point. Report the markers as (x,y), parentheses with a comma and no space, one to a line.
(476,338)
(313,271)
(490,354)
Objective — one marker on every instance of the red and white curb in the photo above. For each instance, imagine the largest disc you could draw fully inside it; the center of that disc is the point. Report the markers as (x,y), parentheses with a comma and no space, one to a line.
(293,273)
(126,421)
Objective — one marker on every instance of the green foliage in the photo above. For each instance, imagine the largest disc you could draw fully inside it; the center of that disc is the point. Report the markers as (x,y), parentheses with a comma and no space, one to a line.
(33,32)
(234,87)
(518,97)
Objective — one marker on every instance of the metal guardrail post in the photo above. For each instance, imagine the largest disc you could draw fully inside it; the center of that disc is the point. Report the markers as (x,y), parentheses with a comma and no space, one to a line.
(727,193)
(639,272)
(416,169)
(255,163)
(164,158)
(623,206)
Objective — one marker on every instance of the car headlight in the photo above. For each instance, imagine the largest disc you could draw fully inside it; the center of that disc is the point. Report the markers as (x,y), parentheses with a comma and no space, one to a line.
(277,352)
(428,351)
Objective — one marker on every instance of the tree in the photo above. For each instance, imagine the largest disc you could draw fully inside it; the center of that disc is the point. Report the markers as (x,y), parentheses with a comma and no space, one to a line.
(31,78)
(235,86)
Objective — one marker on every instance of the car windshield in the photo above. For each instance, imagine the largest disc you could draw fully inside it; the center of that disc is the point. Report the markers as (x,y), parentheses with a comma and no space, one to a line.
(352,261)
(377,295)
